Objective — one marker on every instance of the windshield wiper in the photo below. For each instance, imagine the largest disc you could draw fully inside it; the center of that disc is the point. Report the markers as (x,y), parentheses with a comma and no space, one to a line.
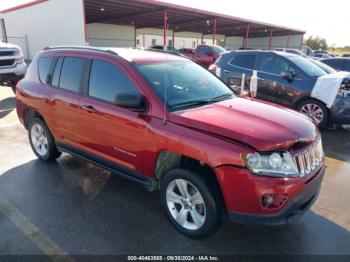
(190,103)
(221,97)
(202,102)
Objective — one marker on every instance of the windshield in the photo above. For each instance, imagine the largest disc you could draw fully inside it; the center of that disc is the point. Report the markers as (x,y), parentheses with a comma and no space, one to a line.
(308,67)
(187,84)
(218,49)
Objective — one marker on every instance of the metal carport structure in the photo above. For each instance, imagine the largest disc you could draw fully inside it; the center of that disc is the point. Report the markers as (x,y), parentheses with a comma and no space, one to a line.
(161,15)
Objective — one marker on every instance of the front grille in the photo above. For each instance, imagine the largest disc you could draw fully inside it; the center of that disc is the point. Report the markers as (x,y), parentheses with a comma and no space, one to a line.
(7,53)
(7,62)
(310,159)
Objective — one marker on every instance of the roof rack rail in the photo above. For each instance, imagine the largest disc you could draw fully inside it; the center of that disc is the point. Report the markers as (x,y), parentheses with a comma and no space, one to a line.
(77,47)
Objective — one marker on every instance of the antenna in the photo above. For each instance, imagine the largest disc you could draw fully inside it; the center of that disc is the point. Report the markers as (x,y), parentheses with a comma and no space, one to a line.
(165,89)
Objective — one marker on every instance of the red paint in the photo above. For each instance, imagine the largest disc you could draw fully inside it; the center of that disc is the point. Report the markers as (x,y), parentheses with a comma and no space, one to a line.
(165,27)
(216,134)
(203,59)
(173,39)
(85,28)
(23,6)
(270,39)
(214,31)
(247,36)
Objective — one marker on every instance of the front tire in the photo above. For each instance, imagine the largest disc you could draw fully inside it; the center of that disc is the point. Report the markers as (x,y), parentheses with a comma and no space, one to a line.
(41,140)
(190,203)
(315,110)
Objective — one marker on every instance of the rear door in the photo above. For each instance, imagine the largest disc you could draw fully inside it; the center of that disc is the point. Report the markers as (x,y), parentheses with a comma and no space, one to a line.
(232,72)
(272,86)
(112,133)
(63,100)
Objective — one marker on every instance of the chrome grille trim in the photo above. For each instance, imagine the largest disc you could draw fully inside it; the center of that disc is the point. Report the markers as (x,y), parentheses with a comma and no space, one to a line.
(310,159)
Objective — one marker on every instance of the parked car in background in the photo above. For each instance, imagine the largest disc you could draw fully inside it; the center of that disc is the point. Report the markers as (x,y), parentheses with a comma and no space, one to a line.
(284,79)
(319,55)
(326,68)
(338,63)
(346,55)
(205,54)
(307,50)
(292,51)
(187,135)
(12,64)
(161,48)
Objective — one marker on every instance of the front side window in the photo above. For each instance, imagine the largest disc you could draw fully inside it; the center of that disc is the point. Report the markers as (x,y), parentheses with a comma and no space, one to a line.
(306,66)
(183,83)
(275,65)
(71,72)
(44,65)
(106,81)
(244,61)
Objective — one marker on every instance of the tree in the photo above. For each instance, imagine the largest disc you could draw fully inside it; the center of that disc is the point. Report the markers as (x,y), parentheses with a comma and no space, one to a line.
(317,43)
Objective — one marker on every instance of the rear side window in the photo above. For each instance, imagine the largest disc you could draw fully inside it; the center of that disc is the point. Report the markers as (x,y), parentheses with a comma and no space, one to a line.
(71,72)
(244,61)
(44,65)
(107,80)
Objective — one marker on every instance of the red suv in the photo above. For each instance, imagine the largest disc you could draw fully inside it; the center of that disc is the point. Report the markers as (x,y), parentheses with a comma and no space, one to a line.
(170,125)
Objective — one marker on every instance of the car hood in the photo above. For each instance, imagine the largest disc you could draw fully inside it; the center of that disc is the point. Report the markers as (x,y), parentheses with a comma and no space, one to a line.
(250,122)
(7,45)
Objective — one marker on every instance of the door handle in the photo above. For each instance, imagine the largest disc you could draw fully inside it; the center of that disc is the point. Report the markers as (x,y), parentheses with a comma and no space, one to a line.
(88,108)
(226,71)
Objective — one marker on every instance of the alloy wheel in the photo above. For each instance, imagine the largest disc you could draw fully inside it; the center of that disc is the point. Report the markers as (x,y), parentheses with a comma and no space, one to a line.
(186,204)
(39,139)
(313,111)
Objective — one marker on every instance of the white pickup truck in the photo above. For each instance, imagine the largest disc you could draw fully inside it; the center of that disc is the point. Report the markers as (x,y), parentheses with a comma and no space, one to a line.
(12,64)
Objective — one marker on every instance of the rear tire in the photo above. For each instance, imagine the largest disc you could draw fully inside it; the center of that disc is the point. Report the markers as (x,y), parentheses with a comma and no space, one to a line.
(316,111)
(41,140)
(190,204)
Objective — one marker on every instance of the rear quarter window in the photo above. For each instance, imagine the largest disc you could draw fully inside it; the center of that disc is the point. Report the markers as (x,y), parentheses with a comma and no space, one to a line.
(44,65)
(71,73)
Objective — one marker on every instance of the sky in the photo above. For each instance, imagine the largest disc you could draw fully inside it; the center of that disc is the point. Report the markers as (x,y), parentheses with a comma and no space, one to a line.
(329,20)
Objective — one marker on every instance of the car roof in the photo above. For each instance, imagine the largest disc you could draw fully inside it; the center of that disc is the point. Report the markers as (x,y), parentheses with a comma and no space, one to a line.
(335,59)
(281,53)
(130,54)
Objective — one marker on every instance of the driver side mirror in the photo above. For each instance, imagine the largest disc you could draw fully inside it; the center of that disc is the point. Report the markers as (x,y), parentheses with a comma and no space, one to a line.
(132,100)
(288,76)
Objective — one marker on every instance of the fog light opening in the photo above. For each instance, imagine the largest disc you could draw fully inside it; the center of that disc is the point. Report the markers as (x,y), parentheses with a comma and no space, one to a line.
(271,201)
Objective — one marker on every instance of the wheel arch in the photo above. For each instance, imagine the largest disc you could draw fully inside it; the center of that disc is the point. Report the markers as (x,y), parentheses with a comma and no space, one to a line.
(168,160)
(29,114)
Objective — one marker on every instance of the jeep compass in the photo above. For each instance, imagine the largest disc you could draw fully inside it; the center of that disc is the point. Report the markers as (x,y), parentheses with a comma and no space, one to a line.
(168,124)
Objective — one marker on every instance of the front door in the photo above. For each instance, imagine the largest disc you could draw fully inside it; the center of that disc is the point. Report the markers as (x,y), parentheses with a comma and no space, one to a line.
(108,131)
(272,86)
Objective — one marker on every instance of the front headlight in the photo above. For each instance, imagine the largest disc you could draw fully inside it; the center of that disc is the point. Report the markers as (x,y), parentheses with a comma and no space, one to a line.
(277,164)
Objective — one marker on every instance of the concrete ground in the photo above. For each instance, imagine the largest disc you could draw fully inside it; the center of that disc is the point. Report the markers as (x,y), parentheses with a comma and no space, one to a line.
(72,207)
